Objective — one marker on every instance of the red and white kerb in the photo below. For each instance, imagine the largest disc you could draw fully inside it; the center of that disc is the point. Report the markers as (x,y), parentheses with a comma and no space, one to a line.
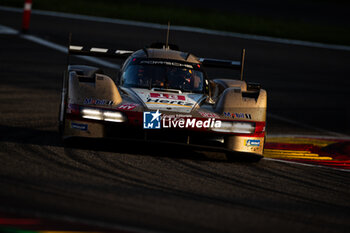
(26,15)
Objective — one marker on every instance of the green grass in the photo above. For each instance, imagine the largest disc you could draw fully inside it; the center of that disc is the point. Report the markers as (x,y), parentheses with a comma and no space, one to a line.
(292,29)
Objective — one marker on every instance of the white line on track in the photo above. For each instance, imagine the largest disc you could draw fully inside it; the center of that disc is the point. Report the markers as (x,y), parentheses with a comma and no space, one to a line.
(182,28)
(7,31)
(57,47)
(306,164)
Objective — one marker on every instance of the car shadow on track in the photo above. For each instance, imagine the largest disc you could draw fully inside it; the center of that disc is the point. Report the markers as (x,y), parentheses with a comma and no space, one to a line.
(23,135)
(160,149)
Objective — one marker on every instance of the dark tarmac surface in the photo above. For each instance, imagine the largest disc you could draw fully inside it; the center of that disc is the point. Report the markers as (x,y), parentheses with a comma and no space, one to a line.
(148,187)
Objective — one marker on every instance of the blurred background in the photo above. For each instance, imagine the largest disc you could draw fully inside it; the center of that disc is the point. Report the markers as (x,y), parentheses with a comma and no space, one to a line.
(315,20)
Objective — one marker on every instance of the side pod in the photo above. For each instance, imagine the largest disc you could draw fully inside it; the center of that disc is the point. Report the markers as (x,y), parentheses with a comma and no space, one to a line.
(83,88)
(233,100)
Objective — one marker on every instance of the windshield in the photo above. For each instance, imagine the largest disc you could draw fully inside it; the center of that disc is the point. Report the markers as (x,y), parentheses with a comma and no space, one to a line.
(164,77)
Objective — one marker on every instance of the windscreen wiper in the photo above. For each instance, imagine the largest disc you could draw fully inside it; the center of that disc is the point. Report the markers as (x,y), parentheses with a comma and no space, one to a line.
(150,84)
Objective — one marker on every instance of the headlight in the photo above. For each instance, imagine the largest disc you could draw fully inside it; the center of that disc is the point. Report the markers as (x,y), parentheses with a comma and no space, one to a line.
(113,116)
(93,114)
(96,114)
(236,127)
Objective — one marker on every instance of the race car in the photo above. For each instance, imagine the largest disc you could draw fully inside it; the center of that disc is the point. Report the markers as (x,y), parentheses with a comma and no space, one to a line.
(163,94)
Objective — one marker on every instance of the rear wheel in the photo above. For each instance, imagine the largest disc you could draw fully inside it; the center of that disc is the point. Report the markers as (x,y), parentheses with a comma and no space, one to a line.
(229,142)
(60,124)
(243,157)
(61,119)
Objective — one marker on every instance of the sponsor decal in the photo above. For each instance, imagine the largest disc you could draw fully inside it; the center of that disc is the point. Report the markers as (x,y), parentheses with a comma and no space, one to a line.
(209,114)
(151,120)
(238,115)
(98,101)
(167,96)
(252,142)
(155,120)
(167,63)
(181,102)
(127,106)
(82,127)
(168,102)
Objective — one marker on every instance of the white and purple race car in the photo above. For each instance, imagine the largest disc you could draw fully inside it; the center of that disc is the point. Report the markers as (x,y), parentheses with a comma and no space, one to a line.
(163,94)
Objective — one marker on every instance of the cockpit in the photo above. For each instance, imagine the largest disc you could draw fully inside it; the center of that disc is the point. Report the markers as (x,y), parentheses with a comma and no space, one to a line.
(163,75)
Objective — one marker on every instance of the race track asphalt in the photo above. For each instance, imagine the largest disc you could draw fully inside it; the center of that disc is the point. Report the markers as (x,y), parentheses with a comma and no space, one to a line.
(152,188)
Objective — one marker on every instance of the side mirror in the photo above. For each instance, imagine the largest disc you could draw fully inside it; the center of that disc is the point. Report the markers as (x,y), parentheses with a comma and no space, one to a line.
(211,92)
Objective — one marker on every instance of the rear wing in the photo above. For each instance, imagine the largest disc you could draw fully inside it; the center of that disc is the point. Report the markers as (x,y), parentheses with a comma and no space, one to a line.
(235,65)
(95,51)
(98,52)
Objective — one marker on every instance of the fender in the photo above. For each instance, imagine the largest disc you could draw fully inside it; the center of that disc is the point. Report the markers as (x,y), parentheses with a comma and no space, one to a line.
(232,100)
(98,90)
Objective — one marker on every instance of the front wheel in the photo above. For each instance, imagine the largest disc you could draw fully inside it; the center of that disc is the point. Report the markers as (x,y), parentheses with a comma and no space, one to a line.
(234,156)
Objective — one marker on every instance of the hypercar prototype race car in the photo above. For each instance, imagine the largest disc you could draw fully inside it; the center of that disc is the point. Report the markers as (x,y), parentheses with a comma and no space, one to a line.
(163,94)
